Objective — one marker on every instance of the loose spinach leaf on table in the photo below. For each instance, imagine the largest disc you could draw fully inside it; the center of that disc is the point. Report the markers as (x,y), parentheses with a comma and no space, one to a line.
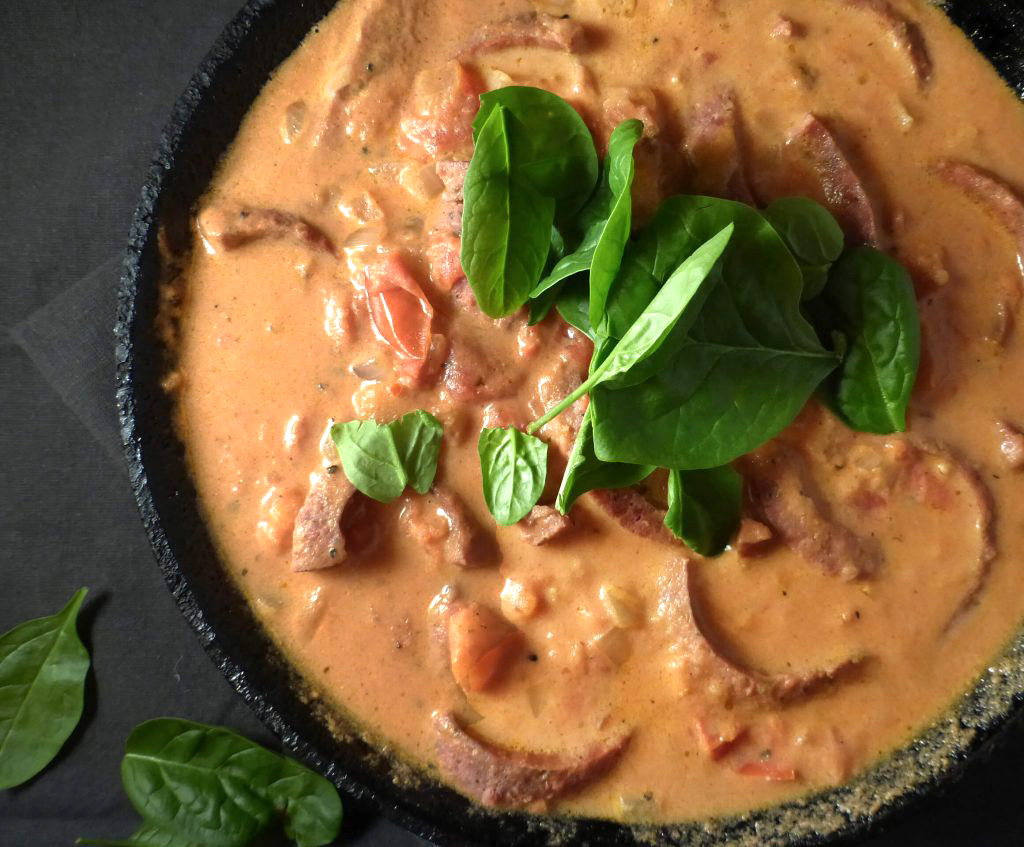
(812,235)
(872,303)
(208,784)
(506,221)
(585,472)
(42,684)
(146,835)
(552,150)
(704,507)
(381,459)
(677,303)
(744,370)
(514,467)
(606,219)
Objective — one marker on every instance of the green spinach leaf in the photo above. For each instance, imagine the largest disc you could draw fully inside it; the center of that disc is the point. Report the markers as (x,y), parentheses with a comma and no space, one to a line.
(146,835)
(370,459)
(552,150)
(506,222)
(874,307)
(514,467)
(678,302)
(746,367)
(607,219)
(585,472)
(381,459)
(704,507)
(418,444)
(218,788)
(812,235)
(42,683)
(574,306)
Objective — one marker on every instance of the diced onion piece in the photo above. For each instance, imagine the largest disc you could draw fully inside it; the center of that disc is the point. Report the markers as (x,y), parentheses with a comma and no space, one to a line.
(294,120)
(615,645)
(363,238)
(622,606)
(370,370)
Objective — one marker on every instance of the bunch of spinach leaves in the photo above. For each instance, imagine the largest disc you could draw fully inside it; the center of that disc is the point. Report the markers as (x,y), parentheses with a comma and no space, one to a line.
(712,326)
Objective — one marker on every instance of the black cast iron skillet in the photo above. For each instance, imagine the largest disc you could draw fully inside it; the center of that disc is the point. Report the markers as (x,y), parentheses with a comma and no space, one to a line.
(203,124)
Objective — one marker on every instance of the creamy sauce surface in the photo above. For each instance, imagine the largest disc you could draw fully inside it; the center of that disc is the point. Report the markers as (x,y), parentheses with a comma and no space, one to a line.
(275,340)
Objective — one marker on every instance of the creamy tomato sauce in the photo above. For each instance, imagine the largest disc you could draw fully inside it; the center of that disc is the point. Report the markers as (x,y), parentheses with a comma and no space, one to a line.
(598,666)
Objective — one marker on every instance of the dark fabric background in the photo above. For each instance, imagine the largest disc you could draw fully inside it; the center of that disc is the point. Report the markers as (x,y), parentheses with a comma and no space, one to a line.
(85,88)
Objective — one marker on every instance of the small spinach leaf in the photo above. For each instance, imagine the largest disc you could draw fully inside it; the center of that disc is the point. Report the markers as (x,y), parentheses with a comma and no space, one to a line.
(418,443)
(746,367)
(812,235)
(678,302)
(146,835)
(874,307)
(506,223)
(552,149)
(42,683)
(380,459)
(704,507)
(585,472)
(211,785)
(370,458)
(514,467)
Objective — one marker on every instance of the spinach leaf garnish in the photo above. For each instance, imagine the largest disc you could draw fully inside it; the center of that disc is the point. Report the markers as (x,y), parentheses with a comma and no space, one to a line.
(607,219)
(743,372)
(704,507)
(812,235)
(506,222)
(381,459)
(418,442)
(514,467)
(585,472)
(43,664)
(668,308)
(873,305)
(193,783)
(552,150)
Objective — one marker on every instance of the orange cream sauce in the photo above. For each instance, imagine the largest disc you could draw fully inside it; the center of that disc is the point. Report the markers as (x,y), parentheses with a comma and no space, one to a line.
(271,331)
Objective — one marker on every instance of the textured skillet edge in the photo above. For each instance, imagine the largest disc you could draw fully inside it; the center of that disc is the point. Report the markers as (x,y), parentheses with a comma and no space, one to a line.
(255,668)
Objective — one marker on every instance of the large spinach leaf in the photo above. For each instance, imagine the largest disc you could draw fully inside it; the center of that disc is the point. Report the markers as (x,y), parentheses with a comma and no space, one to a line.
(218,788)
(552,150)
(42,682)
(873,305)
(812,235)
(704,507)
(506,221)
(677,303)
(514,467)
(744,370)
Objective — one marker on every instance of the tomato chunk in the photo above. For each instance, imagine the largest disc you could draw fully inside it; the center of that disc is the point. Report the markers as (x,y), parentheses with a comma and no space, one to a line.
(400,311)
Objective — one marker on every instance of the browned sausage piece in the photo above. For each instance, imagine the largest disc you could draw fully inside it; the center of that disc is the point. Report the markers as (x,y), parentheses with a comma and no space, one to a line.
(991,193)
(229,229)
(906,35)
(544,524)
(531,29)
(318,540)
(500,777)
(785,498)
(441,520)
(843,190)
(709,664)
(714,148)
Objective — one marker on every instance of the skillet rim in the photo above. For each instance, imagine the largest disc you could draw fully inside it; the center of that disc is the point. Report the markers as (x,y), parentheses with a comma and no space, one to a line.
(255,667)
